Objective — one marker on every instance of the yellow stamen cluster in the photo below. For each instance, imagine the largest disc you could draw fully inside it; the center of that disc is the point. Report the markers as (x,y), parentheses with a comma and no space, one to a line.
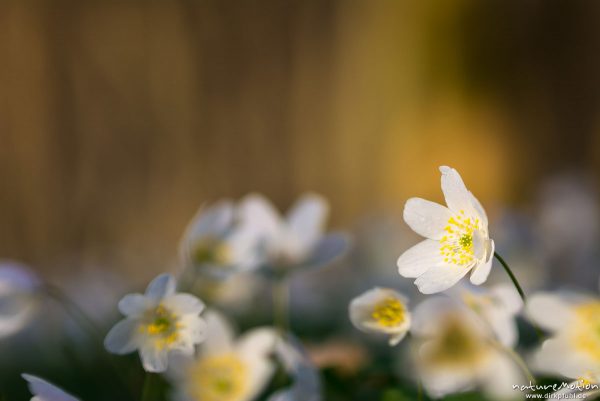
(218,378)
(457,243)
(587,336)
(162,326)
(389,313)
(211,250)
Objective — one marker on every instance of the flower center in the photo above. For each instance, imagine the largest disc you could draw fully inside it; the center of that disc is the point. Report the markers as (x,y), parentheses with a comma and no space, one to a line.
(211,250)
(389,312)
(587,337)
(218,378)
(457,244)
(457,345)
(162,326)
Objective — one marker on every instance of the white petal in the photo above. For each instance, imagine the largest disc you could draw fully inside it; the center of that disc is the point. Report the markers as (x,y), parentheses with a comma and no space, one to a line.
(122,338)
(134,305)
(45,391)
(549,311)
(307,219)
(260,370)
(154,359)
(328,249)
(500,375)
(426,218)
(418,259)
(558,355)
(395,339)
(508,297)
(456,193)
(439,278)
(161,287)
(183,304)
(482,271)
(194,330)
(259,342)
(426,315)
(479,210)
(213,220)
(503,325)
(257,210)
(219,334)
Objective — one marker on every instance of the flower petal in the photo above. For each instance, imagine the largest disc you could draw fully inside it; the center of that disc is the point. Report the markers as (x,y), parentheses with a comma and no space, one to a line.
(307,218)
(482,271)
(328,249)
(456,193)
(122,338)
(161,287)
(260,341)
(549,311)
(133,305)
(255,209)
(426,218)
(500,375)
(219,334)
(183,304)
(154,359)
(45,391)
(439,278)
(416,260)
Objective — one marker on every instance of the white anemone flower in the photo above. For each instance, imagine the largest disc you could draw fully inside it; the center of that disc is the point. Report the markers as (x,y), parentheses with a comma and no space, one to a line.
(457,352)
(381,310)
(498,307)
(44,391)
(457,239)
(157,323)
(573,351)
(19,297)
(296,240)
(220,241)
(225,369)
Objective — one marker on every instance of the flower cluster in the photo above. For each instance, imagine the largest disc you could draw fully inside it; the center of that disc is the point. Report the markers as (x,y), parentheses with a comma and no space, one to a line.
(464,338)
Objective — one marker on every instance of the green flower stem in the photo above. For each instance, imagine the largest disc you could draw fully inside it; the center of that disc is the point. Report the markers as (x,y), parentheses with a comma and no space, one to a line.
(538,332)
(148,387)
(419,390)
(281,305)
(511,275)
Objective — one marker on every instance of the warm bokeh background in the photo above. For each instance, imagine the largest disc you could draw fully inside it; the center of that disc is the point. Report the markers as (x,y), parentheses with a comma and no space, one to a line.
(117,119)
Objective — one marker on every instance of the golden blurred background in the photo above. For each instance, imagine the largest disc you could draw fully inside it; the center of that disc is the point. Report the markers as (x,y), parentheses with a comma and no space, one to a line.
(119,119)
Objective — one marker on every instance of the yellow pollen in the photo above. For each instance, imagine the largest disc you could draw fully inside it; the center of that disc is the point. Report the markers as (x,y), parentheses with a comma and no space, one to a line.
(587,332)
(218,378)
(456,246)
(162,326)
(389,312)
(211,250)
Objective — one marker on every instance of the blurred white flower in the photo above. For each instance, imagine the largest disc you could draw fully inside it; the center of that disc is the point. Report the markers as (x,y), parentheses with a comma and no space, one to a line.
(224,369)
(44,391)
(156,323)
(297,240)
(573,320)
(457,238)
(220,241)
(381,310)
(306,385)
(19,296)
(457,352)
(497,306)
